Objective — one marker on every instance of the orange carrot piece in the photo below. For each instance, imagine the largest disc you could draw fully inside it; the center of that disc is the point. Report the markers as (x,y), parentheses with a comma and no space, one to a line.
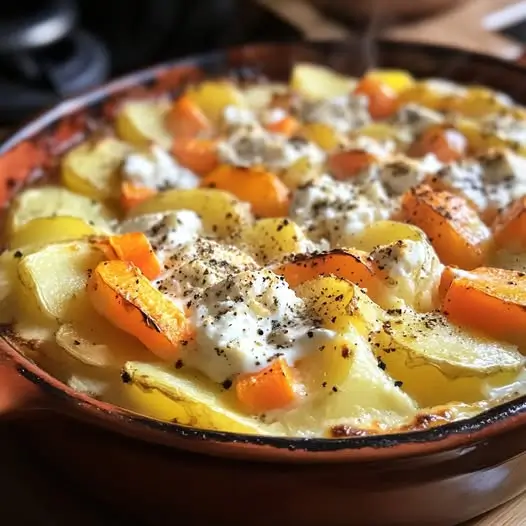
(267,194)
(185,119)
(490,300)
(445,142)
(448,275)
(198,155)
(383,101)
(121,293)
(132,195)
(509,228)
(135,248)
(287,126)
(347,164)
(351,265)
(268,389)
(455,230)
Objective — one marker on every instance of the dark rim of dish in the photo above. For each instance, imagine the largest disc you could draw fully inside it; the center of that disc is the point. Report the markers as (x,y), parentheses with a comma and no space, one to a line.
(212,63)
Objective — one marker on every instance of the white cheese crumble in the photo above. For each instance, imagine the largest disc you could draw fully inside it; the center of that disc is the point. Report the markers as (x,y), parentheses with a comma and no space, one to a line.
(444,87)
(337,210)
(192,267)
(416,118)
(246,321)
(505,126)
(343,113)
(157,170)
(380,149)
(251,146)
(491,181)
(166,231)
(411,274)
(400,173)
(235,116)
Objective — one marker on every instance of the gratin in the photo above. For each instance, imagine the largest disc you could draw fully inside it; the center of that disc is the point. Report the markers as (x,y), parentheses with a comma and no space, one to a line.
(332,257)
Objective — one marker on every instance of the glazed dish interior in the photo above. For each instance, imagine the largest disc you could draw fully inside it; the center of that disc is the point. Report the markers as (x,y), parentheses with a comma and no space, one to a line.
(330,256)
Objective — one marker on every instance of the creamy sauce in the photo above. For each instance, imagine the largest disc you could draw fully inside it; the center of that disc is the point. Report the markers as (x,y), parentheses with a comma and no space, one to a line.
(246,321)
(157,170)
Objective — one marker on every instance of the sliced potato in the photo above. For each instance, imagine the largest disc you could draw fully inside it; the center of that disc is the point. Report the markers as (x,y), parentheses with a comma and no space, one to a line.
(214,96)
(50,201)
(220,211)
(92,168)
(322,135)
(355,392)
(300,173)
(44,230)
(438,362)
(398,80)
(259,96)
(318,82)
(272,239)
(341,305)
(54,279)
(193,400)
(384,233)
(97,343)
(141,122)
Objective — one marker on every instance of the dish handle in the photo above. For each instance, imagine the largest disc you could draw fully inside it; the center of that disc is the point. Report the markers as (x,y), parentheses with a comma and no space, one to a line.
(16,392)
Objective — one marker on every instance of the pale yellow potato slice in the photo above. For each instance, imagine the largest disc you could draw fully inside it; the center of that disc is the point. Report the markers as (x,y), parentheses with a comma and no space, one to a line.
(351,391)
(221,212)
(384,233)
(97,343)
(398,80)
(93,168)
(318,82)
(49,201)
(271,239)
(142,122)
(341,305)
(44,230)
(259,96)
(54,280)
(190,400)
(438,362)
(213,96)
(322,135)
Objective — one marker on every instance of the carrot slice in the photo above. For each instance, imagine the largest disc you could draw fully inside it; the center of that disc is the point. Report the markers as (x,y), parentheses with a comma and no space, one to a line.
(455,230)
(121,293)
(383,101)
(132,195)
(445,142)
(490,300)
(448,275)
(509,228)
(287,126)
(342,263)
(135,248)
(267,194)
(198,155)
(185,118)
(347,164)
(268,389)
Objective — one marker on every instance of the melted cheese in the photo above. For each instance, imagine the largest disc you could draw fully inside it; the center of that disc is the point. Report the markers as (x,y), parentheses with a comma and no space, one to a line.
(157,170)
(246,321)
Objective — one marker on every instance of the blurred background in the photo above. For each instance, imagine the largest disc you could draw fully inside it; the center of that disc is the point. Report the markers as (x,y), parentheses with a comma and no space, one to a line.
(51,49)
